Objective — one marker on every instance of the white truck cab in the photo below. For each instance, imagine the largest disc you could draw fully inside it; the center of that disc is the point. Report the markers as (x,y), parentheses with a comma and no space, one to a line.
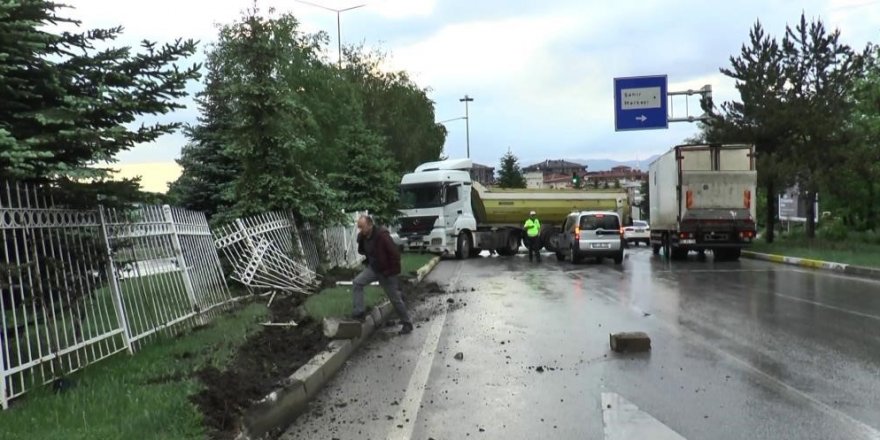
(436,208)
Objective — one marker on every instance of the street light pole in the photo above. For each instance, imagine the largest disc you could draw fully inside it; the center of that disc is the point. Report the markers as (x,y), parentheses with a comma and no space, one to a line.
(467,122)
(338,22)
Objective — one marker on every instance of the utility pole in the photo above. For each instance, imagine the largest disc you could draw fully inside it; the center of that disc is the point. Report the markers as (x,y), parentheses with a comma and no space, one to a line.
(338,22)
(467,122)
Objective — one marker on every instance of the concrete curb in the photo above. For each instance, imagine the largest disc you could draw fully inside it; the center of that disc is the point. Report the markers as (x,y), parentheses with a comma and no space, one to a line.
(281,407)
(843,268)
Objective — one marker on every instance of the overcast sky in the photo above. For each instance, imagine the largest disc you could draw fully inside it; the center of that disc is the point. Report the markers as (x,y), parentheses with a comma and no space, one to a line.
(540,72)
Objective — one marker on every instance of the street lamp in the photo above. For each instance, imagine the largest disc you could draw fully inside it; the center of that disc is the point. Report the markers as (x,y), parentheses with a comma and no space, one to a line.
(467,122)
(338,22)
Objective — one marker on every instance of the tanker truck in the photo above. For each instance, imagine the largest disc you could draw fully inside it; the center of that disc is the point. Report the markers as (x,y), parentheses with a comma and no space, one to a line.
(445,212)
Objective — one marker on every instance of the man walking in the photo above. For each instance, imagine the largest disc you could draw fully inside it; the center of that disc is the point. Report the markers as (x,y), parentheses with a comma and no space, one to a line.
(383,265)
(533,235)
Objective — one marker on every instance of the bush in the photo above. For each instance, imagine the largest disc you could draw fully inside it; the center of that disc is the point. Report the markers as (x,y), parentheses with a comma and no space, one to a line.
(833,229)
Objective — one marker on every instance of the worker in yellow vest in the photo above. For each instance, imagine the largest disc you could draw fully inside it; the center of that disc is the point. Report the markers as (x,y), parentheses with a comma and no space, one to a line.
(533,235)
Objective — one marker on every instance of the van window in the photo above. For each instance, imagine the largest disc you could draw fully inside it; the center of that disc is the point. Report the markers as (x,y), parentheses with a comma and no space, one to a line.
(593,222)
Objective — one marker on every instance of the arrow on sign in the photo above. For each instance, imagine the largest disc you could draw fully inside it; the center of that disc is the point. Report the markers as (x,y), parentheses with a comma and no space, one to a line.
(641,118)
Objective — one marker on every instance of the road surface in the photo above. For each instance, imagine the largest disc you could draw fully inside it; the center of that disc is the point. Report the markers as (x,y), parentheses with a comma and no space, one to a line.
(741,350)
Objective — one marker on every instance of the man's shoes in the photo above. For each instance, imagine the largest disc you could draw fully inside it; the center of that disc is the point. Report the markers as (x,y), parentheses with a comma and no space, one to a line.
(406,329)
(362,316)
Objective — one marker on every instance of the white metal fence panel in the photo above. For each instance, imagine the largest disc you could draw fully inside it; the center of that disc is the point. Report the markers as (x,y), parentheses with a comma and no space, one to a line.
(264,252)
(56,308)
(77,286)
(269,251)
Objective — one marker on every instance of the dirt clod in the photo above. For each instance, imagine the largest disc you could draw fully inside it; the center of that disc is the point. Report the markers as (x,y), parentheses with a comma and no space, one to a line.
(459,356)
(539,369)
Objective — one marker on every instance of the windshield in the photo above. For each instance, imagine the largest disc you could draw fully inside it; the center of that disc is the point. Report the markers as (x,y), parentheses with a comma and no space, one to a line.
(599,221)
(420,196)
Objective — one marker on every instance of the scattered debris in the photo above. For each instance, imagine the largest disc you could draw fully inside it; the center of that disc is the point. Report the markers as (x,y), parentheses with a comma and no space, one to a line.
(539,369)
(459,356)
(337,329)
(450,300)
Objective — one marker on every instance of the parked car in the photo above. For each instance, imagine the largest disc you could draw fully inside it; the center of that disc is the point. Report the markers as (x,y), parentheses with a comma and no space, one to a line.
(593,234)
(639,232)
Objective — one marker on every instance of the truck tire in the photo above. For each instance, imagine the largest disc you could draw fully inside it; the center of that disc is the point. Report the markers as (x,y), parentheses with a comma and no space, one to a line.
(618,259)
(463,246)
(655,248)
(560,256)
(511,246)
(574,256)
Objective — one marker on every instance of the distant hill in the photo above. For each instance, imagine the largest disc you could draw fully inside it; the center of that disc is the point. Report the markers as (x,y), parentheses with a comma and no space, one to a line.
(607,164)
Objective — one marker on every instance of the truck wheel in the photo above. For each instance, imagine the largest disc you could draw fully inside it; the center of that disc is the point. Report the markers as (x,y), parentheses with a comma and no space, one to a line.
(573,256)
(655,249)
(464,246)
(560,256)
(512,244)
(618,259)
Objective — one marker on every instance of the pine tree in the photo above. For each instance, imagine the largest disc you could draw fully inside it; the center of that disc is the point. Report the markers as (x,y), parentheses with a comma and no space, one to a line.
(510,174)
(67,104)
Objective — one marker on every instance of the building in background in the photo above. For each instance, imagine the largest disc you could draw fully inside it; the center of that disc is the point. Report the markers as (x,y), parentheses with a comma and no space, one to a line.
(621,174)
(556,167)
(483,174)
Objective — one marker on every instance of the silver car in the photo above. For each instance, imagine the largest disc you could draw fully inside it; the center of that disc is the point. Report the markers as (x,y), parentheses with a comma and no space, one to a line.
(594,234)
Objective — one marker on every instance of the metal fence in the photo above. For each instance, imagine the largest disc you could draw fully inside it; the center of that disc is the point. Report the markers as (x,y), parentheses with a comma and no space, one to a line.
(77,286)
(271,252)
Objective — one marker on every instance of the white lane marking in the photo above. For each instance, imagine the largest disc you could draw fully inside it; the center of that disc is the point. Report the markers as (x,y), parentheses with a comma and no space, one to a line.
(415,391)
(623,420)
(837,309)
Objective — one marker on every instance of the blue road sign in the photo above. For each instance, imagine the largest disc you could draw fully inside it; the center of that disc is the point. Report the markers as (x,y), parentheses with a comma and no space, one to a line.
(640,103)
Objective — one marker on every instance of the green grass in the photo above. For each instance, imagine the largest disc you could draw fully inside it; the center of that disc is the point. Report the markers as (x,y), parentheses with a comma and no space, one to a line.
(849,251)
(337,302)
(410,263)
(140,396)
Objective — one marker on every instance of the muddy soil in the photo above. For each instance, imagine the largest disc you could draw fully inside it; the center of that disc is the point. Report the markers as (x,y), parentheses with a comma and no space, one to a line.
(263,361)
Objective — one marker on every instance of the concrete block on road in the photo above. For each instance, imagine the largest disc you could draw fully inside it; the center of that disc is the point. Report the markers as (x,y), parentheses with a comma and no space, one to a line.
(630,342)
(338,329)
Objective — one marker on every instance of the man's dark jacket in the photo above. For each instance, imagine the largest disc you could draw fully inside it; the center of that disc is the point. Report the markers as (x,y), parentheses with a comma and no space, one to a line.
(381,252)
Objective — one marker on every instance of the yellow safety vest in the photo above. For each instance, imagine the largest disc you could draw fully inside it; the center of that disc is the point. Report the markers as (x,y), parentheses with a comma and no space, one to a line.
(532,227)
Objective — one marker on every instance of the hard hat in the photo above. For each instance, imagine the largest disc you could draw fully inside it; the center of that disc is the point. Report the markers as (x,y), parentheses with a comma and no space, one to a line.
(532,213)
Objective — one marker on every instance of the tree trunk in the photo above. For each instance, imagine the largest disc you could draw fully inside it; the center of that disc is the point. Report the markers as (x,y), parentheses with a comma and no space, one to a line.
(770,224)
(811,214)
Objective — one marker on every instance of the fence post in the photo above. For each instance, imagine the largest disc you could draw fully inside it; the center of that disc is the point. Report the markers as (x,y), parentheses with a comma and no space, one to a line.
(118,300)
(181,262)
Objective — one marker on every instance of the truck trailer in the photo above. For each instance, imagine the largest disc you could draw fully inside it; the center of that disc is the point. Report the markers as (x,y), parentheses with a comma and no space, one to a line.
(445,212)
(702,197)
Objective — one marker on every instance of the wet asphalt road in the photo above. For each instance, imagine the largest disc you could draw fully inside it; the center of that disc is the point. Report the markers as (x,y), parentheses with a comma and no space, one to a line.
(741,350)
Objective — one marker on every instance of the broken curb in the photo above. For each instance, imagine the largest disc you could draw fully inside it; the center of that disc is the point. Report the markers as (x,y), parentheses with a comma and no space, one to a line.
(279,409)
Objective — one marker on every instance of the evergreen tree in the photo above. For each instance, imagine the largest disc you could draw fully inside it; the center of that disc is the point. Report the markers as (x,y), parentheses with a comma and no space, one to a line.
(67,104)
(510,174)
